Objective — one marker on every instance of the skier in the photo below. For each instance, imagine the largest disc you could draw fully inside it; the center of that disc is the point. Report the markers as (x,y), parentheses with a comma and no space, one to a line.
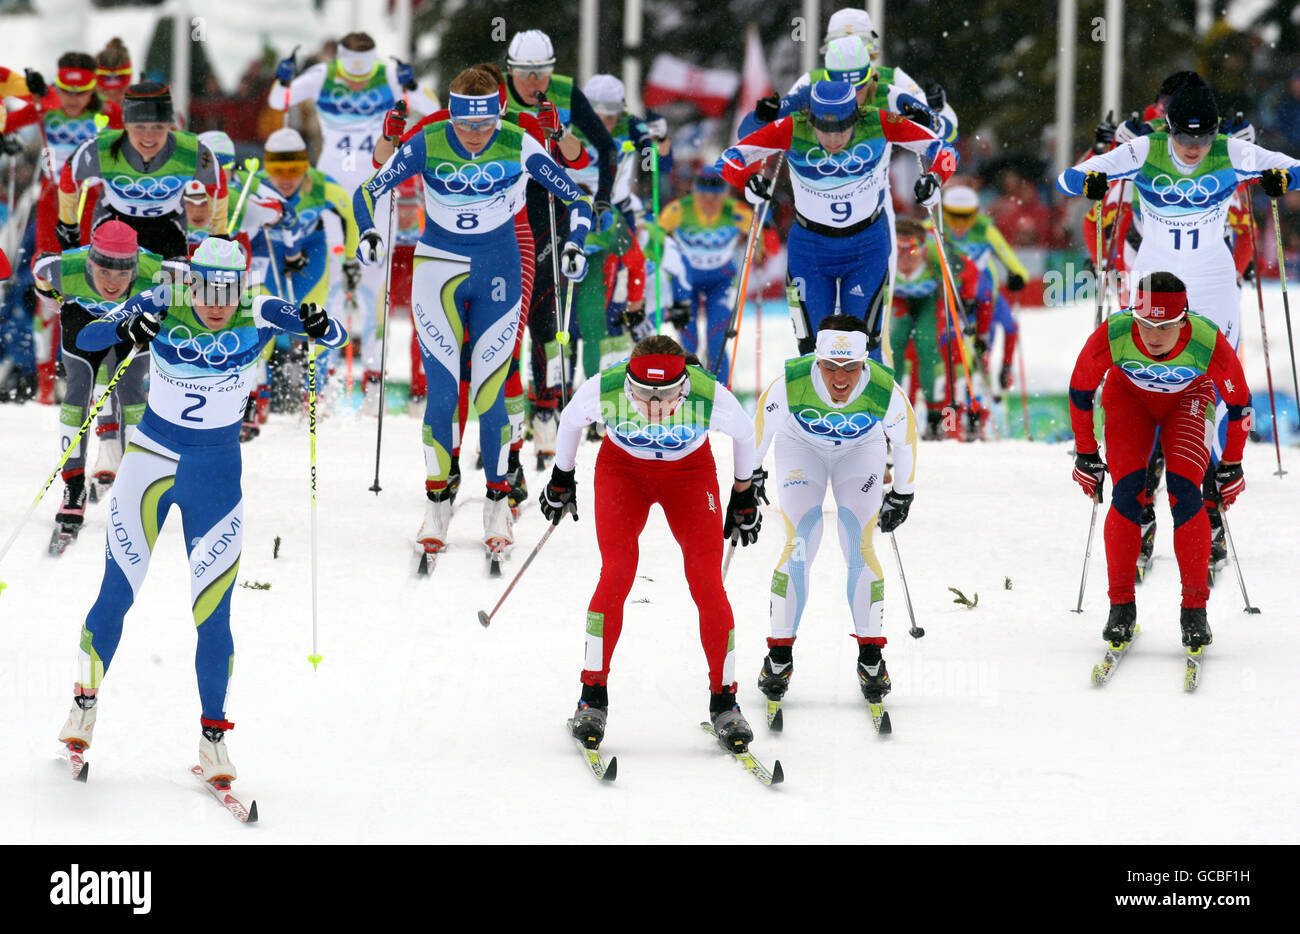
(839,161)
(144,168)
(113,72)
(84,284)
(609,303)
(467,280)
(1161,362)
(830,414)
(203,339)
(657,410)
(635,139)
(708,226)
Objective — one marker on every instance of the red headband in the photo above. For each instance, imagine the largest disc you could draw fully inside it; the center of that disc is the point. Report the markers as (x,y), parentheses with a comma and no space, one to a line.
(656,369)
(75,80)
(1160,306)
(114,78)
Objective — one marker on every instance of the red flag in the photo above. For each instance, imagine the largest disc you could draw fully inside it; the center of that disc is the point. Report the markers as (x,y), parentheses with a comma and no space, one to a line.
(674,79)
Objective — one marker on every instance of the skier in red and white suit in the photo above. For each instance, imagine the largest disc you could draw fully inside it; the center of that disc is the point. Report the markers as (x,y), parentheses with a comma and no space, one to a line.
(1161,364)
(658,409)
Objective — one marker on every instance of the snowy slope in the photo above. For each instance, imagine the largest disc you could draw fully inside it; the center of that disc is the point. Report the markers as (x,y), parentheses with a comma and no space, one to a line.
(422,726)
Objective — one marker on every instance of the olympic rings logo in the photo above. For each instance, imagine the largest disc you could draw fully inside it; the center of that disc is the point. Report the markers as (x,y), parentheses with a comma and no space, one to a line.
(213,349)
(364,103)
(480,179)
(848,162)
(1194,191)
(1159,373)
(836,424)
(70,134)
(709,239)
(667,437)
(147,187)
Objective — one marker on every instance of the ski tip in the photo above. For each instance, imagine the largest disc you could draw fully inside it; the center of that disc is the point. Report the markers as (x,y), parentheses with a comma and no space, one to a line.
(494,568)
(778,721)
(778,775)
(252,813)
(485,620)
(84,773)
(611,770)
(886,728)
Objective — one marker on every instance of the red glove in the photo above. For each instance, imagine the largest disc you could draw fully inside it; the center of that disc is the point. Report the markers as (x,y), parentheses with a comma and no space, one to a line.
(549,120)
(1089,471)
(395,124)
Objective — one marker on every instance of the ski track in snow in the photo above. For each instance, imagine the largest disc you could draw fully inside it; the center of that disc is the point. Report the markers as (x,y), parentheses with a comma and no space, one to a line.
(433,729)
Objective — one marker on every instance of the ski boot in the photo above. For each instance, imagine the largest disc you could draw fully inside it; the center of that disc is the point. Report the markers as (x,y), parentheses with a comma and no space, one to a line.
(873,677)
(1218,541)
(437,517)
(588,723)
(71,514)
(107,462)
(453,480)
(214,755)
(78,731)
(1004,376)
(778,666)
(1147,522)
(518,486)
(1196,628)
(729,724)
(1120,624)
(933,425)
(546,423)
(498,528)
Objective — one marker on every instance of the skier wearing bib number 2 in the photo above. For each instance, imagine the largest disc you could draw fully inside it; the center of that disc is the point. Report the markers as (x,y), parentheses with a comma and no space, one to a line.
(466,280)
(204,340)
(841,244)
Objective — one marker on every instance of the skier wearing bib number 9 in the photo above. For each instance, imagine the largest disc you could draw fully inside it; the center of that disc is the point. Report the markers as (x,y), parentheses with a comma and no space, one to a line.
(466,280)
(841,245)
(204,339)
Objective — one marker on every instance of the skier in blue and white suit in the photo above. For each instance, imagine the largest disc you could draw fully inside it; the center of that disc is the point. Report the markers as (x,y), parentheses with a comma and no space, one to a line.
(204,339)
(466,278)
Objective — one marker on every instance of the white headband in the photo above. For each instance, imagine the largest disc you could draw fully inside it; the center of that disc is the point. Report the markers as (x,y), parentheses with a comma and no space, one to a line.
(841,346)
(358,64)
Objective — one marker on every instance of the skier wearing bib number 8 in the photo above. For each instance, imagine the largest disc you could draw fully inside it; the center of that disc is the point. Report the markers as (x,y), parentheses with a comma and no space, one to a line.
(204,340)
(466,280)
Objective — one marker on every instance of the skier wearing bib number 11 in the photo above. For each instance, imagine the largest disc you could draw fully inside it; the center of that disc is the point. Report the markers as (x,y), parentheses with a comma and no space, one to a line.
(204,339)
(466,280)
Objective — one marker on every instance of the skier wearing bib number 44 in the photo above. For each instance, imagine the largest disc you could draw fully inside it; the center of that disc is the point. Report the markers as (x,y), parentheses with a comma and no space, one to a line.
(204,340)
(466,281)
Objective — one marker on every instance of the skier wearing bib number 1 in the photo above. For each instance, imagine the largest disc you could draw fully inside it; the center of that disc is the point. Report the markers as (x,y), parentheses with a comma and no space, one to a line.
(352,94)
(841,244)
(466,280)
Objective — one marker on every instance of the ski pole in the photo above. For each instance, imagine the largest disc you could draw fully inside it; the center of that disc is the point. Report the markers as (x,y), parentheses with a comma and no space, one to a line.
(1101,261)
(72,446)
(733,327)
(1087,554)
(1024,390)
(950,292)
(1223,517)
(1114,242)
(544,104)
(486,618)
(232,222)
(383,339)
(314,657)
(916,631)
(654,195)
(1286,303)
(731,550)
(1263,333)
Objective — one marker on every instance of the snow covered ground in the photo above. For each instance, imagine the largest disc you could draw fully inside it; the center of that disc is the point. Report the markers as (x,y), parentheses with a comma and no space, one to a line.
(422,726)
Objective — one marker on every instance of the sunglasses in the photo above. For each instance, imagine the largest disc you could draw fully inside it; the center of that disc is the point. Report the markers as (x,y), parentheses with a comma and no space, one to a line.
(534,74)
(830,366)
(670,393)
(287,170)
(1199,140)
(474,126)
(1165,326)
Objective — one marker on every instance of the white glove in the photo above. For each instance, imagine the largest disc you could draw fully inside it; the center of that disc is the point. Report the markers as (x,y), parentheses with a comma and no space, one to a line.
(370,248)
(573,262)
(262,210)
(657,128)
(1127,131)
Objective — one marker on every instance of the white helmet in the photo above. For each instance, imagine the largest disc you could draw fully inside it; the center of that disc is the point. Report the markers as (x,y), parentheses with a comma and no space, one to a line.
(848,58)
(530,47)
(605,93)
(851,22)
(960,199)
(286,139)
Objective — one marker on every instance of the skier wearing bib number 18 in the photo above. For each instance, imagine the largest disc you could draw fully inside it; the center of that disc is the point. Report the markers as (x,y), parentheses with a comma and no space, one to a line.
(467,281)
(203,339)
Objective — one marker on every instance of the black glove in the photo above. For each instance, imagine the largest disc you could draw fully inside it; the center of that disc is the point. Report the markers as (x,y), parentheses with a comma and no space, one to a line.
(69,235)
(10,145)
(759,186)
(926,189)
(893,512)
(743,518)
(351,274)
(560,496)
(679,315)
(370,248)
(35,83)
(141,327)
(759,479)
(1015,282)
(633,318)
(768,108)
(1095,186)
(981,345)
(295,264)
(1274,182)
(1089,472)
(935,96)
(315,323)
(1104,137)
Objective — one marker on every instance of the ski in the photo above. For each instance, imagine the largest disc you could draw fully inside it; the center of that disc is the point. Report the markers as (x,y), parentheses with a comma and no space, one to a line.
(62,539)
(773,776)
(604,771)
(495,555)
(1101,673)
(1192,674)
(221,791)
(77,761)
(428,553)
(775,719)
(880,718)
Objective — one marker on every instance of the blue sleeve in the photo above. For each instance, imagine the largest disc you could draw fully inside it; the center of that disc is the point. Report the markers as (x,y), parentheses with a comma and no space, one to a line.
(280,315)
(101,333)
(407,162)
(1071,182)
(548,173)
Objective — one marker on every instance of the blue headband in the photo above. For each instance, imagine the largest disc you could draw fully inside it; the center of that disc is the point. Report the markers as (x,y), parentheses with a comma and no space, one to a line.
(474,107)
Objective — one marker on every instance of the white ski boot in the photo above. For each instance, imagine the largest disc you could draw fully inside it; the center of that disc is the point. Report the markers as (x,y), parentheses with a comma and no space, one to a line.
(107,462)
(437,517)
(498,529)
(78,731)
(546,428)
(214,756)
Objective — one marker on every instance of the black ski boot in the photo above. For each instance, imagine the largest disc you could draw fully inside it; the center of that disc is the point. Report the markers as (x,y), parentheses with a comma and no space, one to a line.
(1218,541)
(1119,628)
(778,666)
(588,724)
(933,425)
(453,480)
(1148,523)
(1196,628)
(873,677)
(729,724)
(515,477)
